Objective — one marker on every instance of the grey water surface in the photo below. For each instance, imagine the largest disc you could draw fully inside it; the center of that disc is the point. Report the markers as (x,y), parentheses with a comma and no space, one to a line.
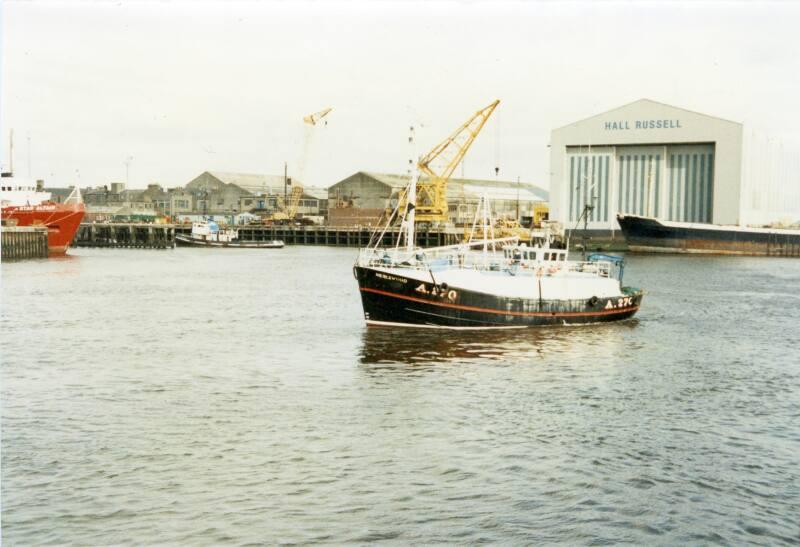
(201,396)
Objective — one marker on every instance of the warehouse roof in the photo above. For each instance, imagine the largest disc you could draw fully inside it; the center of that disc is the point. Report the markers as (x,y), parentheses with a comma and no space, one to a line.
(252,182)
(495,189)
(265,184)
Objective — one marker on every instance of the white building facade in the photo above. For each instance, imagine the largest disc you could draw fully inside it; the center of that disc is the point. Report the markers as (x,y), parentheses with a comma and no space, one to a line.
(652,159)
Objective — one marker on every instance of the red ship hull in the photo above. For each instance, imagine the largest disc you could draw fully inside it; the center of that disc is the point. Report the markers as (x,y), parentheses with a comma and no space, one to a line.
(61,220)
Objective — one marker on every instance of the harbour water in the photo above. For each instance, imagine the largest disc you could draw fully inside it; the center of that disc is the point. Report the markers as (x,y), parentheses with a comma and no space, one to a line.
(203,396)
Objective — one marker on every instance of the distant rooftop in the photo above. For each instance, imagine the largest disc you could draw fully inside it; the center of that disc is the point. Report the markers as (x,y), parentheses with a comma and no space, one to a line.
(495,189)
(266,184)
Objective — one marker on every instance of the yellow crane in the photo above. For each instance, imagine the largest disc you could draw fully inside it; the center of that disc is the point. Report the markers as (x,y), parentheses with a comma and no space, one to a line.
(294,201)
(312,119)
(290,204)
(437,166)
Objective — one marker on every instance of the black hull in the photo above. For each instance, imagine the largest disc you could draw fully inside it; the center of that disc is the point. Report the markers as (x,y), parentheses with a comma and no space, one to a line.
(392,299)
(649,235)
(186,241)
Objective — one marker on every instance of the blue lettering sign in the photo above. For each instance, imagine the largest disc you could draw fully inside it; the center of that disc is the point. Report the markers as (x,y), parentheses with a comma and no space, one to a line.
(642,124)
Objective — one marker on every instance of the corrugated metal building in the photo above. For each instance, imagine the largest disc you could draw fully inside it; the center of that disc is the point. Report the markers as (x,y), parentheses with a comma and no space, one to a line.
(226,192)
(653,159)
(362,197)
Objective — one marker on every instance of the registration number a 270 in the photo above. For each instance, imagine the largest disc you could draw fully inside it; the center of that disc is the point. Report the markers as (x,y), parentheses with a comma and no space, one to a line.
(438,292)
(624,302)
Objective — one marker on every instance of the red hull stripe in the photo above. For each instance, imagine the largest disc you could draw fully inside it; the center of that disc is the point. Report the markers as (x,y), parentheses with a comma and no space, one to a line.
(500,312)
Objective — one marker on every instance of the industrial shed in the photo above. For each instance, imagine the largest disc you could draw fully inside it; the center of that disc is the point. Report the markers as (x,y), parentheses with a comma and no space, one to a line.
(229,192)
(653,159)
(362,197)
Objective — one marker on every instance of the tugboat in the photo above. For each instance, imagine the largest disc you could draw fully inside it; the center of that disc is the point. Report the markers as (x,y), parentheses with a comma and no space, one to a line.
(485,282)
(209,234)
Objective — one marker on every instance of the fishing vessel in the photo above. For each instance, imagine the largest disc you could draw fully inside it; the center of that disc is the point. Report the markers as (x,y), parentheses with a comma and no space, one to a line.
(649,234)
(488,282)
(209,234)
(24,203)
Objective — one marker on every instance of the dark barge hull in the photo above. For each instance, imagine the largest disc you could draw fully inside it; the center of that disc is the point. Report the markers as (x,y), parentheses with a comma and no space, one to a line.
(650,235)
(393,299)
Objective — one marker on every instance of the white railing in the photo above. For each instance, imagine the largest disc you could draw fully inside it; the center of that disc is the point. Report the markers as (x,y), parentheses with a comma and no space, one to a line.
(462,257)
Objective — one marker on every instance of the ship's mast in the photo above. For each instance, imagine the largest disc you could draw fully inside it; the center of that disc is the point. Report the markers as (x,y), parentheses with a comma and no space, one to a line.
(411,202)
(412,198)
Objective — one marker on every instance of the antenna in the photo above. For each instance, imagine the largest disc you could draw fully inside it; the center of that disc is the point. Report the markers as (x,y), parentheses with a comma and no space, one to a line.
(128,161)
(497,146)
(590,183)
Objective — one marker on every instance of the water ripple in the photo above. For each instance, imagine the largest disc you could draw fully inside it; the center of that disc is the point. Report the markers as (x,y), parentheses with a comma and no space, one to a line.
(242,405)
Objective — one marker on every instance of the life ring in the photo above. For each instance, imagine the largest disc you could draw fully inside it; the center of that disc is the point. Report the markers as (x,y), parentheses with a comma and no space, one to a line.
(539,271)
(593,301)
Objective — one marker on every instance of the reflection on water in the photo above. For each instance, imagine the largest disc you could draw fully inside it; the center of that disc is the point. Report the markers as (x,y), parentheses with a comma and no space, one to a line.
(389,345)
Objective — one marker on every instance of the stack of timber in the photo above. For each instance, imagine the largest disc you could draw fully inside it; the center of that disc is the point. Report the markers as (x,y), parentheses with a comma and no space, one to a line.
(135,236)
(20,242)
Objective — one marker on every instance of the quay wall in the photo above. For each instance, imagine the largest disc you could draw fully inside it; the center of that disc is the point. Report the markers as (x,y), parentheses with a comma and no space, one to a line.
(128,235)
(333,236)
(162,236)
(23,242)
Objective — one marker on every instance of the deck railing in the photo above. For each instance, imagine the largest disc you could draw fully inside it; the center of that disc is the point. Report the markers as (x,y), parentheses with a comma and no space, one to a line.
(464,257)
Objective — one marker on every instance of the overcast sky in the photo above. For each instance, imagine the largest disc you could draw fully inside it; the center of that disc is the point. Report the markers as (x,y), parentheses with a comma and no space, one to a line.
(178,88)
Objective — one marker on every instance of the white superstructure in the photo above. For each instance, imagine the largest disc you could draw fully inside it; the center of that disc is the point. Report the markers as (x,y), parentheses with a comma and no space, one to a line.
(19,192)
(211,231)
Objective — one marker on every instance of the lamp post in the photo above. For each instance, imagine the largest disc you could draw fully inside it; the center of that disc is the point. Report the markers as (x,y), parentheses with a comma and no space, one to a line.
(128,161)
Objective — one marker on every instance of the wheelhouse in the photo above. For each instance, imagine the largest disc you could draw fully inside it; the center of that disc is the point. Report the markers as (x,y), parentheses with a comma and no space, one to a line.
(523,253)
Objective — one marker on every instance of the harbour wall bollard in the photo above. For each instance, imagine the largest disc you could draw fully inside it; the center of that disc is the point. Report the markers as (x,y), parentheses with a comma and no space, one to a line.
(333,236)
(21,242)
(127,235)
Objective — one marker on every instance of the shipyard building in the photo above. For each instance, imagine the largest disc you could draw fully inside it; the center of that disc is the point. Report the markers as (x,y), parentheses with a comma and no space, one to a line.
(652,159)
(363,197)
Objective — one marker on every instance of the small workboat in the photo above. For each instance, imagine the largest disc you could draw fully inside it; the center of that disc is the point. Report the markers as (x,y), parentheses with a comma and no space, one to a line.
(209,234)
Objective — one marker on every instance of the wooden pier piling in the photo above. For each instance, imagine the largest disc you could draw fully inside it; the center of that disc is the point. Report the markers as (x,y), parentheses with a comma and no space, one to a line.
(22,242)
(162,236)
(128,235)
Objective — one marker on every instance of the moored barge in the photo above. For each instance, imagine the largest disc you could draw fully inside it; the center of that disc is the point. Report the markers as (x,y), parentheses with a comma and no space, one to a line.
(652,235)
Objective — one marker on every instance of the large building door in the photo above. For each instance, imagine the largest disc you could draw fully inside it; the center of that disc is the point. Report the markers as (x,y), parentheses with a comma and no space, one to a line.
(589,172)
(666,181)
(639,174)
(690,190)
